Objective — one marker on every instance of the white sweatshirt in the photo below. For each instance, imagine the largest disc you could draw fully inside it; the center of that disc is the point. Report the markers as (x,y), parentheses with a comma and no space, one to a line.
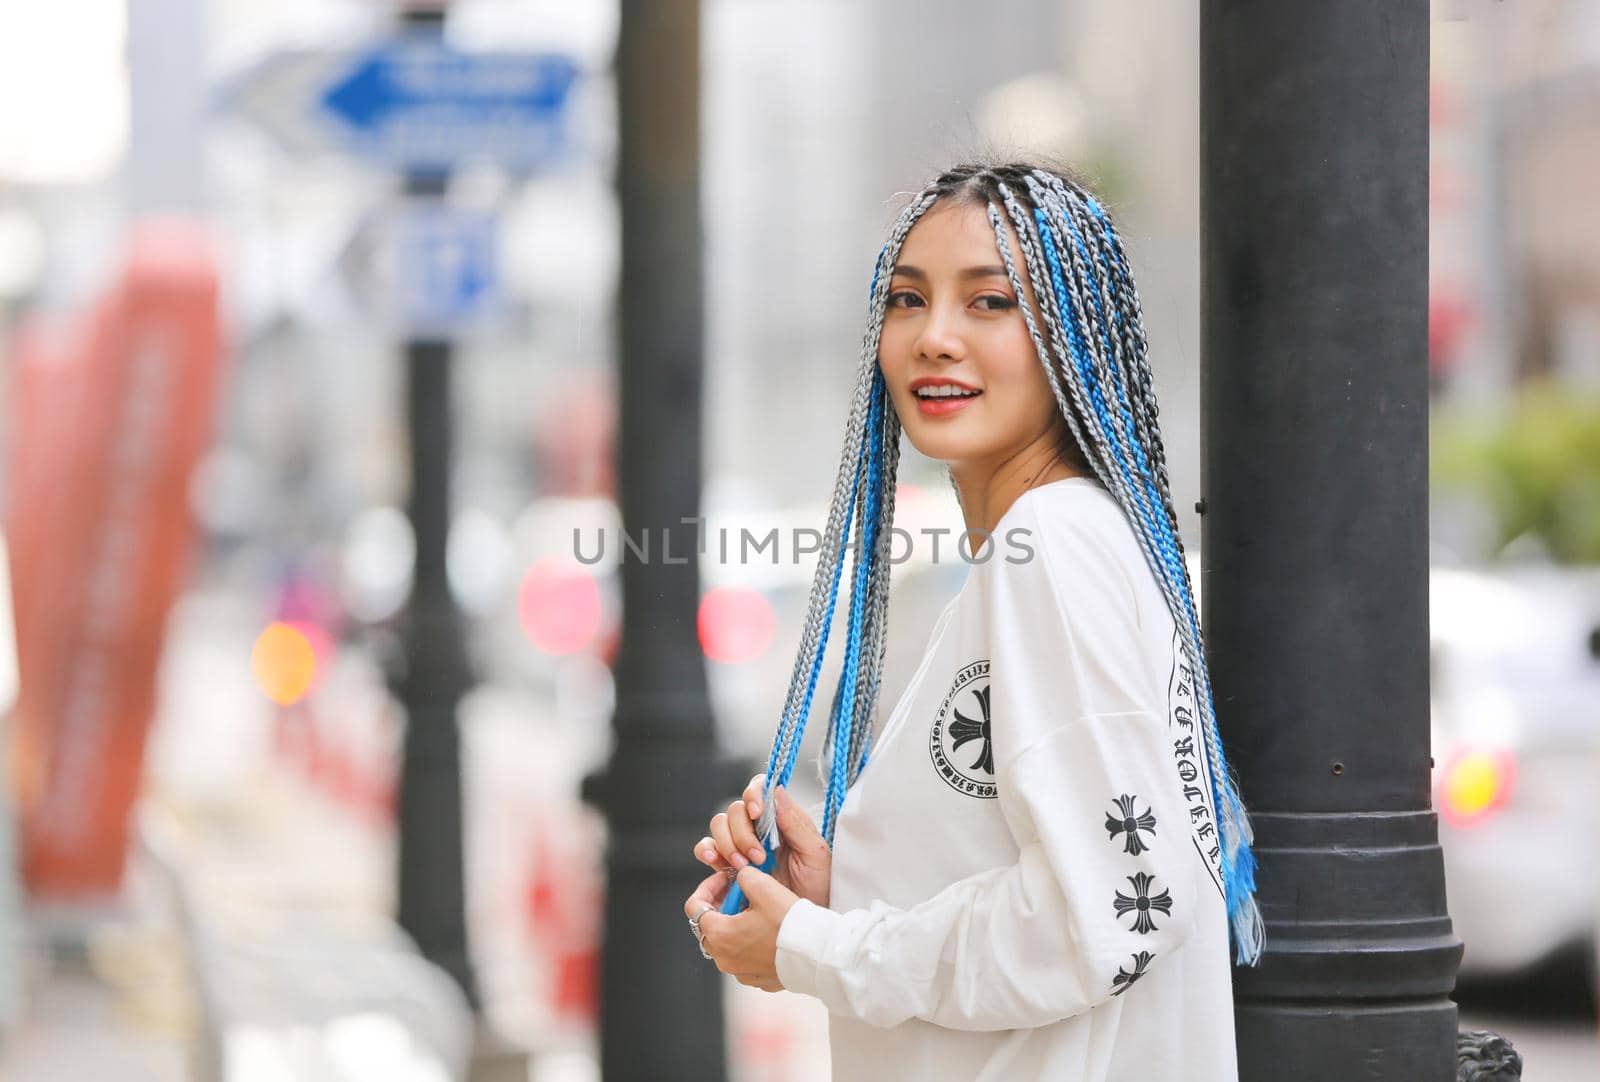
(1040,898)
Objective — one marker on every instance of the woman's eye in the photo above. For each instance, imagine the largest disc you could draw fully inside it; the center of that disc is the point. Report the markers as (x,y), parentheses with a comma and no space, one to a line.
(994,302)
(905,295)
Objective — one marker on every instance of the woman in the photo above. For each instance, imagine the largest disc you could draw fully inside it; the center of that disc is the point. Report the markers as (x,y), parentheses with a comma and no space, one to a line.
(1037,876)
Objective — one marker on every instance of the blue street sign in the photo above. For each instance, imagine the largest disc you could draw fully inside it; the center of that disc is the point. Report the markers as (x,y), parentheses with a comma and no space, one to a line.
(414,103)
(445,268)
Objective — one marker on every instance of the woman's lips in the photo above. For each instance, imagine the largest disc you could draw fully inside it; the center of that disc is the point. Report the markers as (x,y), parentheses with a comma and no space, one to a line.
(943,407)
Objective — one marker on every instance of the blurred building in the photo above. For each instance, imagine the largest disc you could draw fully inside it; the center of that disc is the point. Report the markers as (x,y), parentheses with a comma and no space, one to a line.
(1516,230)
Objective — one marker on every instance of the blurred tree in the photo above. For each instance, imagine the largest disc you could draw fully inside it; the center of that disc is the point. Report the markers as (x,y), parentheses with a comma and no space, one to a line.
(1534,463)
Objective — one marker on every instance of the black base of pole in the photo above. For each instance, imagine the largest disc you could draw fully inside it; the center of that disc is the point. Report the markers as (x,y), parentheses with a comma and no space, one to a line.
(1410,1039)
(1360,954)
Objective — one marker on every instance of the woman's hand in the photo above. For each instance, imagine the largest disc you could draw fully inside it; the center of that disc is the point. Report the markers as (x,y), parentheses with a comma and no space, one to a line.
(745,945)
(805,862)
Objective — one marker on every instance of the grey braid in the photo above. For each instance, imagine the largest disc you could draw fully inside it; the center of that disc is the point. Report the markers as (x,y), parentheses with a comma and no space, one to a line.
(822,587)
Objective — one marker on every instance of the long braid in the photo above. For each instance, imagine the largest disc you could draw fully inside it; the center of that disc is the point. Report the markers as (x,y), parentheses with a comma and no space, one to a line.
(842,717)
(1066,306)
(1130,325)
(824,591)
(825,585)
(1130,322)
(1174,581)
(855,697)
(1078,414)
(1117,263)
(864,494)
(1228,804)
(1088,332)
(1159,537)
(1129,332)
(875,642)
(1089,306)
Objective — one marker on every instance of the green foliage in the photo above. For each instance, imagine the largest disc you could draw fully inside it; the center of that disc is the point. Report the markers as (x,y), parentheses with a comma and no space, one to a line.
(1534,463)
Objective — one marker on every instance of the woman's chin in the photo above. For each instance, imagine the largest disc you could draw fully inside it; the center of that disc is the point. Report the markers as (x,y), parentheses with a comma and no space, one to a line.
(934,448)
(946,451)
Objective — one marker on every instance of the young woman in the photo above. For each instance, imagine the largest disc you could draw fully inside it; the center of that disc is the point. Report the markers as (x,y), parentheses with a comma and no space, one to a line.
(1036,876)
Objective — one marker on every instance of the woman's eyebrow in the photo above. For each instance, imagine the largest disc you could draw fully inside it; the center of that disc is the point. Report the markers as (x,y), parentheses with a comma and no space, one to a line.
(993,271)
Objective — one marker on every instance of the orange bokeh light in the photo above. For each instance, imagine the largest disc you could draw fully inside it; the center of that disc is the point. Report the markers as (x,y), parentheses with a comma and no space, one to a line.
(284,663)
(1475,782)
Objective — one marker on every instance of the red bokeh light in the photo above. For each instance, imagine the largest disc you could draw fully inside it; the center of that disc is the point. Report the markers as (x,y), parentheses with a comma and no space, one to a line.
(735,624)
(558,605)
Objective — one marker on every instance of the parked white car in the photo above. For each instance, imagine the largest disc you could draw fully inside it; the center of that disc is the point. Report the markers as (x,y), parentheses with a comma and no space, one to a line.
(1516,745)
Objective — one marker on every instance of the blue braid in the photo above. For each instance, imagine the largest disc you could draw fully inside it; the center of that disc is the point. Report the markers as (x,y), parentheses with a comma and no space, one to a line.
(734,901)
(879,444)
(816,665)
(1086,373)
(870,454)
(845,718)
(1238,862)
(1159,533)
(1239,868)
(1160,527)
(833,596)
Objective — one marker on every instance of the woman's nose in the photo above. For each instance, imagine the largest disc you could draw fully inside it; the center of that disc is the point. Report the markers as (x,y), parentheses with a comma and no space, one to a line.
(939,337)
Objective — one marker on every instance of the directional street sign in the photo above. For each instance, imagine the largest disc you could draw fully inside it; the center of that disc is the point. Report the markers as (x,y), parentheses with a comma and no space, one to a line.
(417,104)
(412,103)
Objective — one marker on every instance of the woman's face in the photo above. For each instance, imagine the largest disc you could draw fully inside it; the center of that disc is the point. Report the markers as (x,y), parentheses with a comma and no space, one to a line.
(953,325)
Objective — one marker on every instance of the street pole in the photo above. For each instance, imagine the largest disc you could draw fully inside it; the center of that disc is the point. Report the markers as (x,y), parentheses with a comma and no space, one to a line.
(436,672)
(661,1003)
(1314,257)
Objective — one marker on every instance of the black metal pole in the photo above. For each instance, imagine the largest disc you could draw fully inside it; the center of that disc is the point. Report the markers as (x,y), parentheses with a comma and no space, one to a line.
(1314,250)
(661,1003)
(436,672)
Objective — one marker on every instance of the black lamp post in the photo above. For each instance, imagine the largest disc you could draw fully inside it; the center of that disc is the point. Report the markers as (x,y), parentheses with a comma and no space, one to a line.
(1314,219)
(661,1003)
(435,673)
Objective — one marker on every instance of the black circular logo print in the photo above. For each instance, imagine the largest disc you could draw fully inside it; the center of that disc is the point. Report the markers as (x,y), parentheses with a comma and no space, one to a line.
(959,742)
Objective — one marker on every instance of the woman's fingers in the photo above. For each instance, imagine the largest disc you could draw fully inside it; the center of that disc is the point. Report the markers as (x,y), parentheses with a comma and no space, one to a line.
(722,838)
(753,794)
(799,831)
(743,833)
(711,891)
(705,851)
(733,842)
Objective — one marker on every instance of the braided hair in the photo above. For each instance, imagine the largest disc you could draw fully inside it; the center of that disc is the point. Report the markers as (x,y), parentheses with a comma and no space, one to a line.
(1088,332)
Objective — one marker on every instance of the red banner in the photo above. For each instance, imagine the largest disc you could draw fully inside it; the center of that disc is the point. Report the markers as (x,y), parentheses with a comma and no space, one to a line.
(108,422)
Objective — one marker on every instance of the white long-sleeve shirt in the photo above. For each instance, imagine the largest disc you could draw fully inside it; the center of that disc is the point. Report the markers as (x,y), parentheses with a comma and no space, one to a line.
(1026,881)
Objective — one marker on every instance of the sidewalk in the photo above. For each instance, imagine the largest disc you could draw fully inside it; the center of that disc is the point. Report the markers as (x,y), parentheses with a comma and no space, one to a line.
(76,1030)
(250,942)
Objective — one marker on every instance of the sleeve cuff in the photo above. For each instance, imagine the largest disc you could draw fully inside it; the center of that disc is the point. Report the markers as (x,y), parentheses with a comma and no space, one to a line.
(802,942)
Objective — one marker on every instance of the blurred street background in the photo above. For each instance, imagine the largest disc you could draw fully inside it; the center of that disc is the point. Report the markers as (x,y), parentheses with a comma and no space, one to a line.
(237,237)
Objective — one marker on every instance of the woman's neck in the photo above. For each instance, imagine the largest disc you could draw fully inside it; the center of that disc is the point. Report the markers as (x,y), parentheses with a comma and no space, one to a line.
(987,492)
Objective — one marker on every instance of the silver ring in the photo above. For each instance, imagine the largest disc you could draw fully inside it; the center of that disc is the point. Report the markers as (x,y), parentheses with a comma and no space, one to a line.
(699,936)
